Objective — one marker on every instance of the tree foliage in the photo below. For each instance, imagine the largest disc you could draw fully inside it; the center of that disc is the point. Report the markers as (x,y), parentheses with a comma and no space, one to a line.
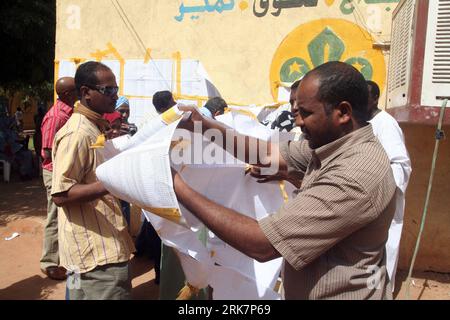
(27,33)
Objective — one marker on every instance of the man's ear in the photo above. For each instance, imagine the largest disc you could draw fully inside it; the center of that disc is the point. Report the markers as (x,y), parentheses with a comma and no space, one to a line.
(217,113)
(344,112)
(84,92)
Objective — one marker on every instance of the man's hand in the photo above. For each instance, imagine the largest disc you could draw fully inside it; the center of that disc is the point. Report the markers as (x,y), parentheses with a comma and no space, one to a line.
(195,113)
(192,115)
(261,178)
(124,128)
(280,176)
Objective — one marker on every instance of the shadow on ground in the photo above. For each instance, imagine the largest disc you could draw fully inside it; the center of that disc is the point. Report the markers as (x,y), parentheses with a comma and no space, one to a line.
(142,272)
(423,283)
(22,199)
(42,288)
(33,288)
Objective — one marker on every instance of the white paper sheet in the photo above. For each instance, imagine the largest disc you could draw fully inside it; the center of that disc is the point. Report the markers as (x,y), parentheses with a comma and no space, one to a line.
(115,146)
(144,79)
(66,69)
(141,111)
(141,175)
(284,93)
(228,284)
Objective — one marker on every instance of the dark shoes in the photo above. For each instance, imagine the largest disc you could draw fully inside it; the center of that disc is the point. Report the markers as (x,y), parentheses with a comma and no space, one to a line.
(56,273)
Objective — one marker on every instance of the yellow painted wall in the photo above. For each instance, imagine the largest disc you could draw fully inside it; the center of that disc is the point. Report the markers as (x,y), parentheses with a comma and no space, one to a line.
(244,54)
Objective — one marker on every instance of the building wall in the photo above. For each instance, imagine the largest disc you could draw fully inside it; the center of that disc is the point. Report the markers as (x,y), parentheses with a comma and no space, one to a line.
(245,48)
(248,50)
(434,251)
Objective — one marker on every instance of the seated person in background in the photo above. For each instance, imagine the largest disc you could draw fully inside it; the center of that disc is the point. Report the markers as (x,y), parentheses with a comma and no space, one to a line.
(19,119)
(214,107)
(123,107)
(163,101)
(12,150)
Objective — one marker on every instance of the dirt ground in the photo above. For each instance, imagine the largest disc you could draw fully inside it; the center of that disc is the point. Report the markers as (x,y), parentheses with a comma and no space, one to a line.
(23,210)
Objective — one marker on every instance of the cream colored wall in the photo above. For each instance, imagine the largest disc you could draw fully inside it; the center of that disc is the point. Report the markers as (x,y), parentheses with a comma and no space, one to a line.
(236,48)
(434,250)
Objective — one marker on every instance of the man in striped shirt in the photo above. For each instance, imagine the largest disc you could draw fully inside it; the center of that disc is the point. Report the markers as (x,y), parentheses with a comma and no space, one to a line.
(94,244)
(55,118)
(332,235)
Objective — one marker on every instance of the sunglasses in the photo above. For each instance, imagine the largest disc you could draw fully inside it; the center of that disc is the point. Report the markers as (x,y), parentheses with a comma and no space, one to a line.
(107,91)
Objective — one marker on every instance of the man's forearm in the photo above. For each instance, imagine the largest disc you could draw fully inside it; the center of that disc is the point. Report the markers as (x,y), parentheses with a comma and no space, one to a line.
(80,193)
(239,231)
(245,148)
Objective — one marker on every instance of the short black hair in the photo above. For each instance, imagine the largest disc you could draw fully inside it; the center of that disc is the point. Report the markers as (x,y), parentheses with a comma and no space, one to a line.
(86,74)
(295,85)
(374,89)
(216,104)
(340,82)
(161,100)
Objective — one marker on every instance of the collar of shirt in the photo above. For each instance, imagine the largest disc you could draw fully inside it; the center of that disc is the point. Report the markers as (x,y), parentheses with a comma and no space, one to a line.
(328,152)
(92,116)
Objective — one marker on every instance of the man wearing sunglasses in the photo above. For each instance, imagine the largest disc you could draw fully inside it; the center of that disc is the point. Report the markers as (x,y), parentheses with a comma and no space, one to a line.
(95,246)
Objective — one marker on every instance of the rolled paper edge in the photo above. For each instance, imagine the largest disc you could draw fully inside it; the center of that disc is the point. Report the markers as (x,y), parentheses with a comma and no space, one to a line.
(171,115)
(172,214)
